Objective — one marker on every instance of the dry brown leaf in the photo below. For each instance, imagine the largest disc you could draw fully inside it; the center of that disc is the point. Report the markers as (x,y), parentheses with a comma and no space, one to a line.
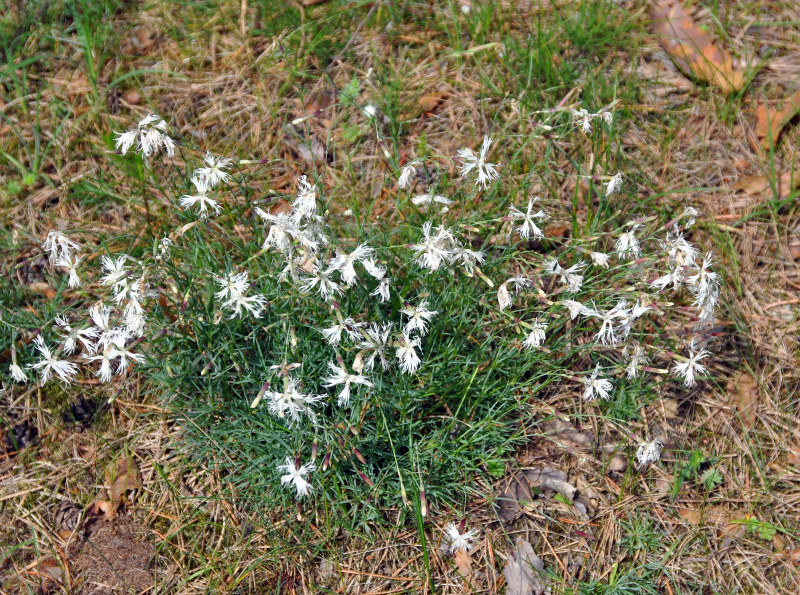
(552,479)
(744,394)
(428,102)
(464,566)
(786,183)
(524,571)
(691,515)
(769,124)
(49,568)
(793,556)
(122,475)
(719,516)
(691,48)
(100,508)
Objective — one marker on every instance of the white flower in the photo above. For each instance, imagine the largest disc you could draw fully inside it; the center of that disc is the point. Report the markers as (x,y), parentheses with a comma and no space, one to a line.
(681,252)
(600,259)
(344,263)
(469,161)
(233,284)
(326,287)
(49,365)
(687,369)
(124,354)
(596,387)
(215,172)
(104,372)
(407,355)
(429,199)
(638,358)
(576,308)
(125,140)
(649,452)
(71,264)
(585,119)
(376,344)
(292,402)
(164,244)
(627,245)
(674,278)
(234,289)
(606,333)
(253,304)
(528,227)
(536,336)
(72,336)
(382,290)
(467,258)
(370,110)
(282,229)
(503,297)
(17,374)
(305,205)
(419,316)
(376,270)
(614,185)
(296,476)
(569,276)
(58,247)
(333,334)
(409,169)
(149,137)
(341,376)
(115,270)
(704,279)
(458,541)
(435,249)
(201,199)
(691,216)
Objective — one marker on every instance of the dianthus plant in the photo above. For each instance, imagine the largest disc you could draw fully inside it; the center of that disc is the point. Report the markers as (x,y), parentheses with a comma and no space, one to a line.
(314,353)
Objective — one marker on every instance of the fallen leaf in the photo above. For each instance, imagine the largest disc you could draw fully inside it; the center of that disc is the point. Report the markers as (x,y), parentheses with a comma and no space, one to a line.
(520,491)
(430,101)
(464,566)
(122,475)
(744,394)
(691,48)
(552,479)
(785,184)
(524,571)
(100,508)
(769,124)
(618,464)
(509,504)
(793,556)
(690,515)
(50,568)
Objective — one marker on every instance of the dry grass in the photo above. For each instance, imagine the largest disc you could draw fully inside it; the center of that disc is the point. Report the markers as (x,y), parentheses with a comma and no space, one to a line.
(229,92)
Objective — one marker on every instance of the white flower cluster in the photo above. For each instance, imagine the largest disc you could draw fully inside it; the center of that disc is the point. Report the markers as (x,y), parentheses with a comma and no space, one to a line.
(314,265)
(63,252)
(149,136)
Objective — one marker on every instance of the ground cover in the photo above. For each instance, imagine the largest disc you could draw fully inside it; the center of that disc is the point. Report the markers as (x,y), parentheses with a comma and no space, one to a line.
(170,466)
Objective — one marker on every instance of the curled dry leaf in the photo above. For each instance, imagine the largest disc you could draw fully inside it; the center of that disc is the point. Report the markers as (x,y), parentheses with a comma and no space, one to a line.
(744,394)
(785,184)
(524,571)
(522,487)
(122,475)
(770,123)
(691,48)
(464,566)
